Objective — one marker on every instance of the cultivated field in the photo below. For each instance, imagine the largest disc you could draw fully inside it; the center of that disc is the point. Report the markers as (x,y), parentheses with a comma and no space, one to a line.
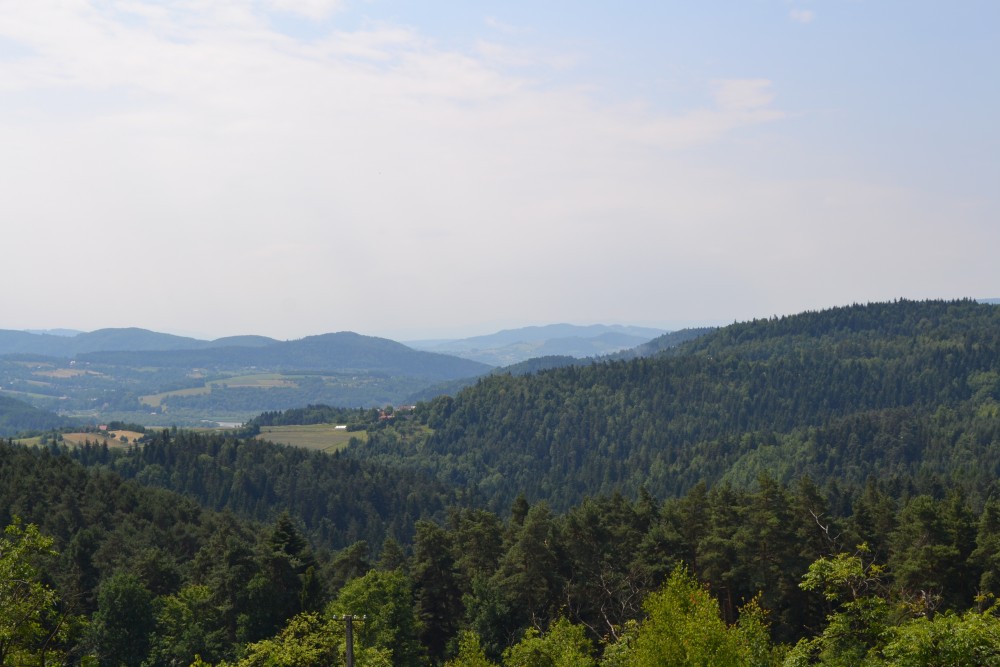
(258,381)
(113,438)
(324,437)
(154,400)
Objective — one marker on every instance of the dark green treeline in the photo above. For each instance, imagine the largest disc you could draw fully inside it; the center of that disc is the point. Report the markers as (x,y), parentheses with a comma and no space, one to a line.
(128,553)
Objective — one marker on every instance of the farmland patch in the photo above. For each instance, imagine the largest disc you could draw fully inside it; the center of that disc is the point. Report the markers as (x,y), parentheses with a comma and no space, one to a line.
(324,437)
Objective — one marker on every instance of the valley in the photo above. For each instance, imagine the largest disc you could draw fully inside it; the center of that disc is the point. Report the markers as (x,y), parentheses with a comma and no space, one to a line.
(763,469)
(153,379)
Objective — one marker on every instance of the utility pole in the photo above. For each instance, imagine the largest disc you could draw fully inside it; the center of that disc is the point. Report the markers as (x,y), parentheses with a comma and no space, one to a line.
(348,620)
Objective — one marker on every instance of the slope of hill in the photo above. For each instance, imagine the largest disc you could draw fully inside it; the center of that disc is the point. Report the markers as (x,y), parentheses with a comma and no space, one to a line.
(841,393)
(533,365)
(542,363)
(17,416)
(661,343)
(512,346)
(344,351)
(23,342)
(55,332)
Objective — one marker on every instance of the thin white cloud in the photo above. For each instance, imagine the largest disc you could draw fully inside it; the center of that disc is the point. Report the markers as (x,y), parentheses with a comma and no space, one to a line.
(313,9)
(802,15)
(504,55)
(504,27)
(742,94)
(501,55)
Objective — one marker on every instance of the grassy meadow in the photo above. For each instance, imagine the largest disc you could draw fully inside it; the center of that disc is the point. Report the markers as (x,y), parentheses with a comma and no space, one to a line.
(324,437)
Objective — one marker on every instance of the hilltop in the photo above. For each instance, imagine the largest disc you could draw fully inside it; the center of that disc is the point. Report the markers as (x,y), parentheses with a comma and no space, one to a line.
(65,343)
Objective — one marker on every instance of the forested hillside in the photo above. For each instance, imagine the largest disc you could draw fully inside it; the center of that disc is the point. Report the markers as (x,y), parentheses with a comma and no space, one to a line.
(660,343)
(906,387)
(139,576)
(816,489)
(338,500)
(17,416)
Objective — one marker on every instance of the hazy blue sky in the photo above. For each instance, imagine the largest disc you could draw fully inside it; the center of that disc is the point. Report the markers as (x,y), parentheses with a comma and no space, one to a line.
(423,169)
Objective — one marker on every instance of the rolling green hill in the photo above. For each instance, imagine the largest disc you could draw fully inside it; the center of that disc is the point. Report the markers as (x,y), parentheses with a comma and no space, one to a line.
(129,338)
(905,387)
(17,416)
(774,447)
(344,351)
(155,379)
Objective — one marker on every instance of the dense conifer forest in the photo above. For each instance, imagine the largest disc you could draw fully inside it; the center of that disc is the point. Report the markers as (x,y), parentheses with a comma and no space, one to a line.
(901,388)
(816,489)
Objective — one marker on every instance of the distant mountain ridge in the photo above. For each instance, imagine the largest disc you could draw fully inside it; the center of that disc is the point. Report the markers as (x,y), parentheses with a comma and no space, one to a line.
(131,339)
(56,332)
(512,346)
(342,351)
(139,375)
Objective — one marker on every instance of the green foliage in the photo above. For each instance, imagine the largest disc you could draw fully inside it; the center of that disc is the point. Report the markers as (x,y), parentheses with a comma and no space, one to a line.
(563,645)
(844,577)
(124,622)
(284,585)
(862,617)
(470,652)
(684,627)
(602,562)
(986,555)
(29,618)
(308,640)
(967,640)
(312,640)
(931,547)
(528,574)
(187,625)
(338,501)
(385,600)
(438,597)
(866,630)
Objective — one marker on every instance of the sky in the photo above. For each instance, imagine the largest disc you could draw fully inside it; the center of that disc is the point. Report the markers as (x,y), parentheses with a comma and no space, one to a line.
(445,169)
